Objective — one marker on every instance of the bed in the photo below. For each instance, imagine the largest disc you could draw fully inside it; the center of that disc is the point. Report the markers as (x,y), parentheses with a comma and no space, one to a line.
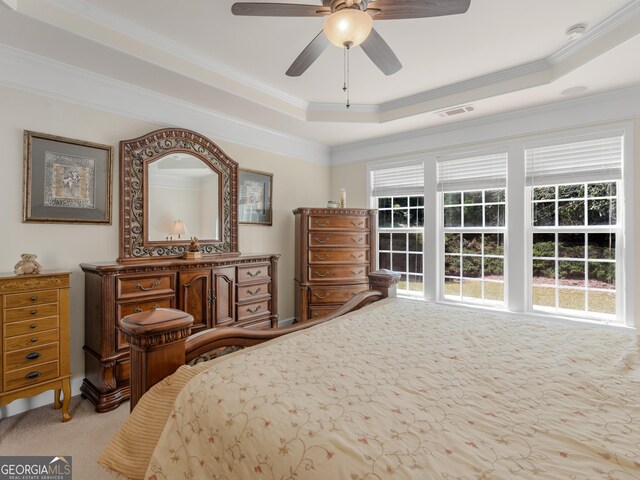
(400,389)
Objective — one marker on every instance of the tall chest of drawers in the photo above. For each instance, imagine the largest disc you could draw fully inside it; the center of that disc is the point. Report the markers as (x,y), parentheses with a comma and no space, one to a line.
(34,351)
(335,251)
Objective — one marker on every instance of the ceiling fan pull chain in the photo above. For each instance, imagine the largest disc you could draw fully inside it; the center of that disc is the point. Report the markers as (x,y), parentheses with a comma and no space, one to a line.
(348,73)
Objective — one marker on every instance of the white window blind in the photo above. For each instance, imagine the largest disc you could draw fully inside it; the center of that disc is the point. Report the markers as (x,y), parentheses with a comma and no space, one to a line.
(587,161)
(400,180)
(482,172)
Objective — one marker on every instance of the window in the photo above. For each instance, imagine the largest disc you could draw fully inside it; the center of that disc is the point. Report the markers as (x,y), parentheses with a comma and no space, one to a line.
(400,239)
(574,227)
(399,193)
(474,203)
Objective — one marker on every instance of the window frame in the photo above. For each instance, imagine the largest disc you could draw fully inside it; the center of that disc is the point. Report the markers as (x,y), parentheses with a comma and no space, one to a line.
(518,248)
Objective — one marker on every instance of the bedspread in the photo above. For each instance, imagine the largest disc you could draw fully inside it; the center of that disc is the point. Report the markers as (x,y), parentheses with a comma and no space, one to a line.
(413,390)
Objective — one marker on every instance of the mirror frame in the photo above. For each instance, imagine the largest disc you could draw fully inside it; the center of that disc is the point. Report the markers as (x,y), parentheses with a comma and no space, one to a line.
(135,154)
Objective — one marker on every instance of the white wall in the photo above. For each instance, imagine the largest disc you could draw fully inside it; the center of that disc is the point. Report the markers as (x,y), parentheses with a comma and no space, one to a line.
(296,183)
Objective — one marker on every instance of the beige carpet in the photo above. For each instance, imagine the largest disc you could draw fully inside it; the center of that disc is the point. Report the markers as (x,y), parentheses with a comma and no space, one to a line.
(40,432)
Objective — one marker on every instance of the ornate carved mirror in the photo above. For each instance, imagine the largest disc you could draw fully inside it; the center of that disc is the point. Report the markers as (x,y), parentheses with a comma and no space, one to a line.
(176,184)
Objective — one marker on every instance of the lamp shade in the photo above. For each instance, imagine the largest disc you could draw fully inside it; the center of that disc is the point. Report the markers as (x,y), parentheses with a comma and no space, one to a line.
(348,27)
(179,228)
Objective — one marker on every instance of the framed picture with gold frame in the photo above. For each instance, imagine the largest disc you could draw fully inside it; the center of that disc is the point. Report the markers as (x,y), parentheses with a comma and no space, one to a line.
(66,180)
(255,197)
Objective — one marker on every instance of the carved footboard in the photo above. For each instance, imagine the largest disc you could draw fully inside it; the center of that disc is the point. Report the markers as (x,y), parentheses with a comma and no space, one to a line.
(160,340)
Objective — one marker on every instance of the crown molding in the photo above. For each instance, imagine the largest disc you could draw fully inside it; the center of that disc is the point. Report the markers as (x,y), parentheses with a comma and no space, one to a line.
(153,39)
(604,28)
(32,73)
(597,40)
(614,106)
(12,4)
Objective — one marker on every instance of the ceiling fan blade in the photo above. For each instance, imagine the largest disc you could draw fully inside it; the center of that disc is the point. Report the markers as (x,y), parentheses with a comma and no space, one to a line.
(380,53)
(397,9)
(309,55)
(278,10)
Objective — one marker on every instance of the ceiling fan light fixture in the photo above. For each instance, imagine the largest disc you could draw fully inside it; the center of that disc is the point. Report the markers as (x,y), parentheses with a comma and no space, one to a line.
(348,27)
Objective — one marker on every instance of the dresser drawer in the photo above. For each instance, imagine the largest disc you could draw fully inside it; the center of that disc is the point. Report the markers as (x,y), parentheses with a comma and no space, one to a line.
(26,377)
(31,340)
(341,295)
(250,310)
(144,285)
(253,272)
(317,312)
(28,313)
(338,273)
(328,255)
(31,356)
(30,326)
(343,222)
(324,239)
(31,298)
(247,292)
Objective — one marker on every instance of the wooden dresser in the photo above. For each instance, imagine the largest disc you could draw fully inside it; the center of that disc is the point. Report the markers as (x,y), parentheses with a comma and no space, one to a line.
(219,290)
(34,352)
(335,251)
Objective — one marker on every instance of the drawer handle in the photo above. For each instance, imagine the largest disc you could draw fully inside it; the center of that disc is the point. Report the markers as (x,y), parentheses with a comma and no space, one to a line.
(33,325)
(359,256)
(322,275)
(254,293)
(34,298)
(359,240)
(137,310)
(32,375)
(357,273)
(359,224)
(146,289)
(325,224)
(33,356)
(33,312)
(318,295)
(255,309)
(321,241)
(251,274)
(321,257)
(34,339)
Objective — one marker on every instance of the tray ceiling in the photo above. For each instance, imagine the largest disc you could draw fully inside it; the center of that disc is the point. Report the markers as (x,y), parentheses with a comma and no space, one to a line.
(502,55)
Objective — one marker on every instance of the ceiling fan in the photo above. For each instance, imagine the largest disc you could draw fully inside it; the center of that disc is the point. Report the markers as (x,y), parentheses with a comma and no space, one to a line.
(349,23)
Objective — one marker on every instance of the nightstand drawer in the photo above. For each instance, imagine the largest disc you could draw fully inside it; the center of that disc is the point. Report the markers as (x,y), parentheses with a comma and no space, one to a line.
(250,310)
(144,285)
(252,291)
(28,313)
(341,295)
(342,222)
(325,239)
(31,357)
(30,298)
(31,340)
(30,326)
(30,375)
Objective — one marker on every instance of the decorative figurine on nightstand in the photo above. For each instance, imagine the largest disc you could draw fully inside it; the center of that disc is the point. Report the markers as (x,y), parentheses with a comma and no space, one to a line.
(28,265)
(343,198)
(194,249)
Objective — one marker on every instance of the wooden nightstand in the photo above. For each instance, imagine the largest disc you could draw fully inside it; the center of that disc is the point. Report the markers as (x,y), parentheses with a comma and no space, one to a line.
(34,351)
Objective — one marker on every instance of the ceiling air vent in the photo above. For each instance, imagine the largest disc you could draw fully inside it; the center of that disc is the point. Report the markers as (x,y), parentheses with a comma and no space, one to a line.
(456,111)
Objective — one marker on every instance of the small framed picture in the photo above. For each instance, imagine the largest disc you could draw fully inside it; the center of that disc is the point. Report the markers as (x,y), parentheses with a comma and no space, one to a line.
(66,180)
(254,197)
